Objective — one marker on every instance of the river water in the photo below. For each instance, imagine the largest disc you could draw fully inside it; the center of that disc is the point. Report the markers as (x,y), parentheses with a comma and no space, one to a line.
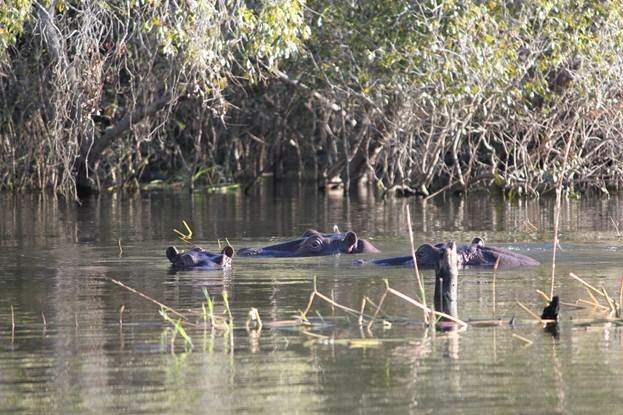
(56,261)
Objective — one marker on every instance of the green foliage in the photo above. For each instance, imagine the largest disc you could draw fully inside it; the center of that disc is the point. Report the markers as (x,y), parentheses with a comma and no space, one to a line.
(454,90)
(460,51)
(13,14)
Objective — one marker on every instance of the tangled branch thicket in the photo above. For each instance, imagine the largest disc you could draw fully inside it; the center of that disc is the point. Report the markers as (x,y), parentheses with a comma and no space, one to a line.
(414,96)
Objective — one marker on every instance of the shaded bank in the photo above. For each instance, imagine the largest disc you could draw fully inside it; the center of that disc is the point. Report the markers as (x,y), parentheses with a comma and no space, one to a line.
(413,97)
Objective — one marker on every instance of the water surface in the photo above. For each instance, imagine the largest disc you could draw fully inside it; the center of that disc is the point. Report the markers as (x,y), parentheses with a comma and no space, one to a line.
(55,259)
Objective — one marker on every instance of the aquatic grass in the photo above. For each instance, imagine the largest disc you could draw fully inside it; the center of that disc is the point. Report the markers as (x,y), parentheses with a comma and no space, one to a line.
(227,309)
(209,313)
(184,237)
(177,329)
(415,266)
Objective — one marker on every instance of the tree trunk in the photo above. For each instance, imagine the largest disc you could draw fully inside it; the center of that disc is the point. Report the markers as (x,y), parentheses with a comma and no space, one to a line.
(446,281)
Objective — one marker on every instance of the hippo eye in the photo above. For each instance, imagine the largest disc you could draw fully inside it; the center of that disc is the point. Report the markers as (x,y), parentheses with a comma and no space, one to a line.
(315,244)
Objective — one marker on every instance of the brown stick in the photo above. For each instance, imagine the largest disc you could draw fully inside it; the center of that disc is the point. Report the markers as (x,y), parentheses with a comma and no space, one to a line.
(527,310)
(593,298)
(121,310)
(338,305)
(145,296)
(557,212)
(378,309)
(523,339)
(595,305)
(543,295)
(609,300)
(12,321)
(422,306)
(586,284)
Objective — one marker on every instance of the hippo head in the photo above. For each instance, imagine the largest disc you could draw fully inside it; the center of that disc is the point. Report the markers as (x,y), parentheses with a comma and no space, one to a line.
(316,244)
(478,242)
(480,255)
(428,255)
(200,258)
(328,244)
(310,232)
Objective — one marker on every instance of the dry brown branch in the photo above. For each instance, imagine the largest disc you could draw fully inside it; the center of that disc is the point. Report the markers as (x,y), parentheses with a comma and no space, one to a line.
(527,310)
(422,306)
(523,339)
(145,296)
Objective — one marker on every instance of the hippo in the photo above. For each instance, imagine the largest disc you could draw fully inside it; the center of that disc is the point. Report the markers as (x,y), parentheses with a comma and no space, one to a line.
(475,254)
(200,258)
(314,243)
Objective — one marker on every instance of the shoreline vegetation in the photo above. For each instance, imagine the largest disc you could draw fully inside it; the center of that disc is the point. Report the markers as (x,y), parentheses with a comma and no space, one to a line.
(415,97)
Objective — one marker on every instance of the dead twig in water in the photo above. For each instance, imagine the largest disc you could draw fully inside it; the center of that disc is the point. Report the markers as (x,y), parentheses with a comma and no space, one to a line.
(543,295)
(182,236)
(593,298)
(557,212)
(527,310)
(315,293)
(616,227)
(495,270)
(523,339)
(121,310)
(145,296)
(610,301)
(595,305)
(12,322)
(586,284)
(378,309)
(422,306)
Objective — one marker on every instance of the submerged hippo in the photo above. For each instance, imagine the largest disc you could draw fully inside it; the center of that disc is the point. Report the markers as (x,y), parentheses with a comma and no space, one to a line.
(475,254)
(200,258)
(314,243)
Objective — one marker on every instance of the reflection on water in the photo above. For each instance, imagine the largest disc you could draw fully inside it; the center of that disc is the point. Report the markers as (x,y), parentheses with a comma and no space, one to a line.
(54,255)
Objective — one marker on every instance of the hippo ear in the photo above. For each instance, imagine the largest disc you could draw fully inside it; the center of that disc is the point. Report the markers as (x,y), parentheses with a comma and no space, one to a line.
(228,251)
(350,239)
(172,253)
(478,242)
